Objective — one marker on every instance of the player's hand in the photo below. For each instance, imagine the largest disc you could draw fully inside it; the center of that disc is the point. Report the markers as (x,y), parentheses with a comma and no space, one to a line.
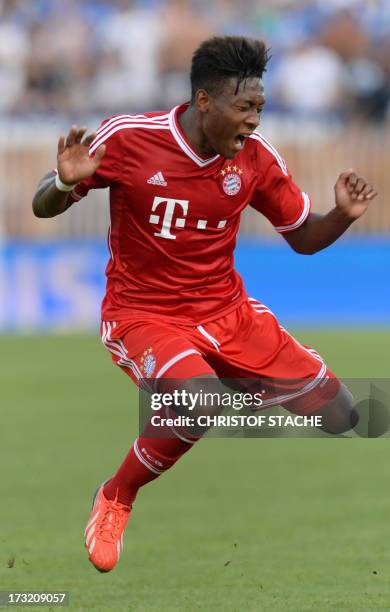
(73,161)
(353,194)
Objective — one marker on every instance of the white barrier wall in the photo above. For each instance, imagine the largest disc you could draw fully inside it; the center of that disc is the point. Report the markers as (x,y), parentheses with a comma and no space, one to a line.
(315,154)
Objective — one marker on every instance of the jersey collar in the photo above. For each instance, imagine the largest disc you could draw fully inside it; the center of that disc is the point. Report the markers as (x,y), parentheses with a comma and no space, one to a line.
(181,139)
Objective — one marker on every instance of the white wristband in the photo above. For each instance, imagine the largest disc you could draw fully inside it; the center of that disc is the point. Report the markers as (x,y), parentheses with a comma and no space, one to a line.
(63,186)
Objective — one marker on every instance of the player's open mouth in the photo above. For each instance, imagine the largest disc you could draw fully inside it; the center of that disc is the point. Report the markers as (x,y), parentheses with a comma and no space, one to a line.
(239,141)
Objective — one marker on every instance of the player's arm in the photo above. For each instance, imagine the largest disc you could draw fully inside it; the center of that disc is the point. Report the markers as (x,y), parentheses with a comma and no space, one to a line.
(353,196)
(73,166)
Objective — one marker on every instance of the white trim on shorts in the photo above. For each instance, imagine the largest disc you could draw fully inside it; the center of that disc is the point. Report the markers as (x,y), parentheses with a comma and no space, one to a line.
(209,337)
(116,347)
(174,360)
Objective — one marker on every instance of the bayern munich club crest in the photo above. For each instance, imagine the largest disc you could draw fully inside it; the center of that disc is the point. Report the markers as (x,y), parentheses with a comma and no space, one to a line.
(148,363)
(231,182)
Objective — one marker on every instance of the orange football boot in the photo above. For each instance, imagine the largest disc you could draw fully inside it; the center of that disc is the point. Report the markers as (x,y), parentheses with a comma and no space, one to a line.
(104,531)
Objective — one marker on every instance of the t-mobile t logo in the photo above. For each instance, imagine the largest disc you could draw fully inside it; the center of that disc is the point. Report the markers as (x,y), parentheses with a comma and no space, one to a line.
(166,223)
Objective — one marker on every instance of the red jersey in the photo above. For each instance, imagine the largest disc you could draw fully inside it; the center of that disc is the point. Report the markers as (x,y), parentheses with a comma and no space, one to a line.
(175,216)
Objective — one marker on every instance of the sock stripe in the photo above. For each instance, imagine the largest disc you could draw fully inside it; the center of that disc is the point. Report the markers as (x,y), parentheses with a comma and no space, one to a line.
(142,459)
(157,455)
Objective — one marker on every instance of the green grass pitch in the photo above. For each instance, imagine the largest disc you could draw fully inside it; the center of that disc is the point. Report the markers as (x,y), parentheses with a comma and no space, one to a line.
(238,525)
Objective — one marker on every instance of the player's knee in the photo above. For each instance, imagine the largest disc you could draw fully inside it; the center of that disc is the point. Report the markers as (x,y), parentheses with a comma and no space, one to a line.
(200,402)
(339,414)
(199,396)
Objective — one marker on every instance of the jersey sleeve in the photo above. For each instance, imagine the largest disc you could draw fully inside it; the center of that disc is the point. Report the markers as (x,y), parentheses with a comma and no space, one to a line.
(276,195)
(110,168)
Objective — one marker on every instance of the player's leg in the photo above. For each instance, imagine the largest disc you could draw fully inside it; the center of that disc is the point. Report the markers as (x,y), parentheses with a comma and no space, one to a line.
(325,395)
(292,375)
(164,354)
(158,448)
(338,414)
(161,356)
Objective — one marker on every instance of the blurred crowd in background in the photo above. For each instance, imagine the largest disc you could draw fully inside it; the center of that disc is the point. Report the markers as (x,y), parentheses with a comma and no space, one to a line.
(75,57)
(79,61)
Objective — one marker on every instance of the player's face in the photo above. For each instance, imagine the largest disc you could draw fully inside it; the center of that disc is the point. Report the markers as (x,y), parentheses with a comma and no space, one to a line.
(232,116)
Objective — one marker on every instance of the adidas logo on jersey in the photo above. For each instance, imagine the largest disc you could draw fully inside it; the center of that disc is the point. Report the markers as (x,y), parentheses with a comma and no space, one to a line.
(158,179)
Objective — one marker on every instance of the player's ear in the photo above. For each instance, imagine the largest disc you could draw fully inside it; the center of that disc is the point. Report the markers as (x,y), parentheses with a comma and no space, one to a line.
(202,100)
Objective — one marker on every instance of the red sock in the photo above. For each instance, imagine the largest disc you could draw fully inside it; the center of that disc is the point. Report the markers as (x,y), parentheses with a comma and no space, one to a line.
(147,459)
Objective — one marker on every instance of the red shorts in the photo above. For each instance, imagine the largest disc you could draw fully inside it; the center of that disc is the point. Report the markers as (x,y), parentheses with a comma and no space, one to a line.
(247,343)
